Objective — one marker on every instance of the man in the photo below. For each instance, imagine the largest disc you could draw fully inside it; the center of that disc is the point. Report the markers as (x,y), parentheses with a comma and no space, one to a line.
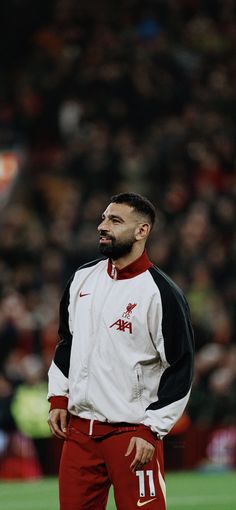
(122,370)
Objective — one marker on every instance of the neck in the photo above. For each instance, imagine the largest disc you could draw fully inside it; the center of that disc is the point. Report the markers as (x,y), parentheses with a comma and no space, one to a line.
(134,254)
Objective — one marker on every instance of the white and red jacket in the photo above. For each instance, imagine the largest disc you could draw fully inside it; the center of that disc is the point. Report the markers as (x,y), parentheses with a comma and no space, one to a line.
(126,347)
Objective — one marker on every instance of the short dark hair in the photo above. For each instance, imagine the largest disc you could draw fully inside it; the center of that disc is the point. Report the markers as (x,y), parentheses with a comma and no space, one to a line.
(138,202)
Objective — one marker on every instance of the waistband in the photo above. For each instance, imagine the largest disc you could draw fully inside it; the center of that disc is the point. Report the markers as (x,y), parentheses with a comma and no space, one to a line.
(97,428)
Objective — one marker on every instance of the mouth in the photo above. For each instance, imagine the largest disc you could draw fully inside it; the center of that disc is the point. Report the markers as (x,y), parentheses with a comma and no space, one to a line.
(105,240)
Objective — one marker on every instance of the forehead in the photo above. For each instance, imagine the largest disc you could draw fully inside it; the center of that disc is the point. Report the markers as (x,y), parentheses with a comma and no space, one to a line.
(122,210)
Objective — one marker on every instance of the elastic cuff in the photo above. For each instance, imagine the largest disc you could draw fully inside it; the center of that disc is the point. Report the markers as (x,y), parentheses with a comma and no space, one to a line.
(58,402)
(146,433)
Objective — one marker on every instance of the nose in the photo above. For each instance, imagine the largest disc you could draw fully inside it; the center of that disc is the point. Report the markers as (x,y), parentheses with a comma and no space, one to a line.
(102,226)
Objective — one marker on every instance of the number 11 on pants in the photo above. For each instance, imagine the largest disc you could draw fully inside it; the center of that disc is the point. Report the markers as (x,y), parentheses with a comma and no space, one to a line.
(141,477)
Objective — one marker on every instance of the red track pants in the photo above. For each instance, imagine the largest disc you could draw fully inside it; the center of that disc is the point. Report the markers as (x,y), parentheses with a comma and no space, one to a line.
(90,464)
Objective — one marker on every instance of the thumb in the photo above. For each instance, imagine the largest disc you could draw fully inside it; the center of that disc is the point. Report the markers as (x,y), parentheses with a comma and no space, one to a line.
(130,447)
(63,422)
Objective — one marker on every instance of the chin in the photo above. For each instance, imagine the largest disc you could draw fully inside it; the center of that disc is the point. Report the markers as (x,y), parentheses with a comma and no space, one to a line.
(105,250)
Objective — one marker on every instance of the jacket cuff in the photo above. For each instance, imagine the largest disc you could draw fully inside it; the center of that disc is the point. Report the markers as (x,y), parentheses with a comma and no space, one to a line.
(58,402)
(146,433)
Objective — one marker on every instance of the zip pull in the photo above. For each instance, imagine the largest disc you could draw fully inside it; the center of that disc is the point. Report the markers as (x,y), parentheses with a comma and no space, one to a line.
(113,272)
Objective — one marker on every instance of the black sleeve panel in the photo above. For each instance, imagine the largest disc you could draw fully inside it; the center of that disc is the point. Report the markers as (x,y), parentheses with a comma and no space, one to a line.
(63,349)
(178,342)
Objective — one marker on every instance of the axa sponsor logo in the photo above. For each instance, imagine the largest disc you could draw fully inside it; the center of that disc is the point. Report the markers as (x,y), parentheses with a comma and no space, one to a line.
(123,325)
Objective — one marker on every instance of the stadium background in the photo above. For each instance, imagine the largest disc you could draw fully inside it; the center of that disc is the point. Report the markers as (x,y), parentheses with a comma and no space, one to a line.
(97,98)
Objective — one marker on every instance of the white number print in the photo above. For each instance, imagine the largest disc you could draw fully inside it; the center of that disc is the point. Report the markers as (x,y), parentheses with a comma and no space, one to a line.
(149,474)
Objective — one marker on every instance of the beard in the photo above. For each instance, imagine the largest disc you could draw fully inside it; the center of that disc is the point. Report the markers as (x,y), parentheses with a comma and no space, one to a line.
(116,249)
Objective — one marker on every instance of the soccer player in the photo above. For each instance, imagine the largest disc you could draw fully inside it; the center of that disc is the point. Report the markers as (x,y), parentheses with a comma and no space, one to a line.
(122,370)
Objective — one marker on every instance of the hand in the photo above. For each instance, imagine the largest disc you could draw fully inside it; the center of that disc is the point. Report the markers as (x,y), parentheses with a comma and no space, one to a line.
(57,422)
(144,452)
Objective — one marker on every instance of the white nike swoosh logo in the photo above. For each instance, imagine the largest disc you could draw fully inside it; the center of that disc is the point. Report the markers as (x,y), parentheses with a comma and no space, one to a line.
(142,503)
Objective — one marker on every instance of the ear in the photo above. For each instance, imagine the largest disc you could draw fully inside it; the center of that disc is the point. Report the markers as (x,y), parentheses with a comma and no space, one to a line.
(142,231)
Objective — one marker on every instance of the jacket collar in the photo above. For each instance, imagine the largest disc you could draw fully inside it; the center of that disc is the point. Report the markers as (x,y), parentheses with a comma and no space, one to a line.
(134,269)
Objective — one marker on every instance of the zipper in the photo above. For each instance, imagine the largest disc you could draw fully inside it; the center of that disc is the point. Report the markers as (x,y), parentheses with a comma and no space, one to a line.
(139,384)
(114,276)
(113,272)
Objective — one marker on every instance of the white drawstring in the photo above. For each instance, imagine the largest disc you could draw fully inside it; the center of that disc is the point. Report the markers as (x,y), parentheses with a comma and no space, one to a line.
(91,427)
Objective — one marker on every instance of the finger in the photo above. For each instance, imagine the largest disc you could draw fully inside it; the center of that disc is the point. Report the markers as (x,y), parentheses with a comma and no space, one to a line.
(130,447)
(135,465)
(151,454)
(136,461)
(142,457)
(58,432)
(147,455)
(63,422)
(56,429)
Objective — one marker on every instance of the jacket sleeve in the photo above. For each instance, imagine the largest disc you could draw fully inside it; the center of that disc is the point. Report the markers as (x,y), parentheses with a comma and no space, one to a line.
(58,386)
(171,331)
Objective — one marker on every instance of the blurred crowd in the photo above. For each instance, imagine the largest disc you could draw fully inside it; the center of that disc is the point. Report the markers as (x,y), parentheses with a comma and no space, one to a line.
(103,97)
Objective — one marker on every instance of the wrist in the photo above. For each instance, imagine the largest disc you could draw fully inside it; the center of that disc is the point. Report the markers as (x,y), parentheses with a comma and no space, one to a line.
(58,402)
(146,433)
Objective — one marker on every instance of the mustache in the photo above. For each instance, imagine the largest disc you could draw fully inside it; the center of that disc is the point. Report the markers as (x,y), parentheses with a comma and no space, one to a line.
(104,234)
